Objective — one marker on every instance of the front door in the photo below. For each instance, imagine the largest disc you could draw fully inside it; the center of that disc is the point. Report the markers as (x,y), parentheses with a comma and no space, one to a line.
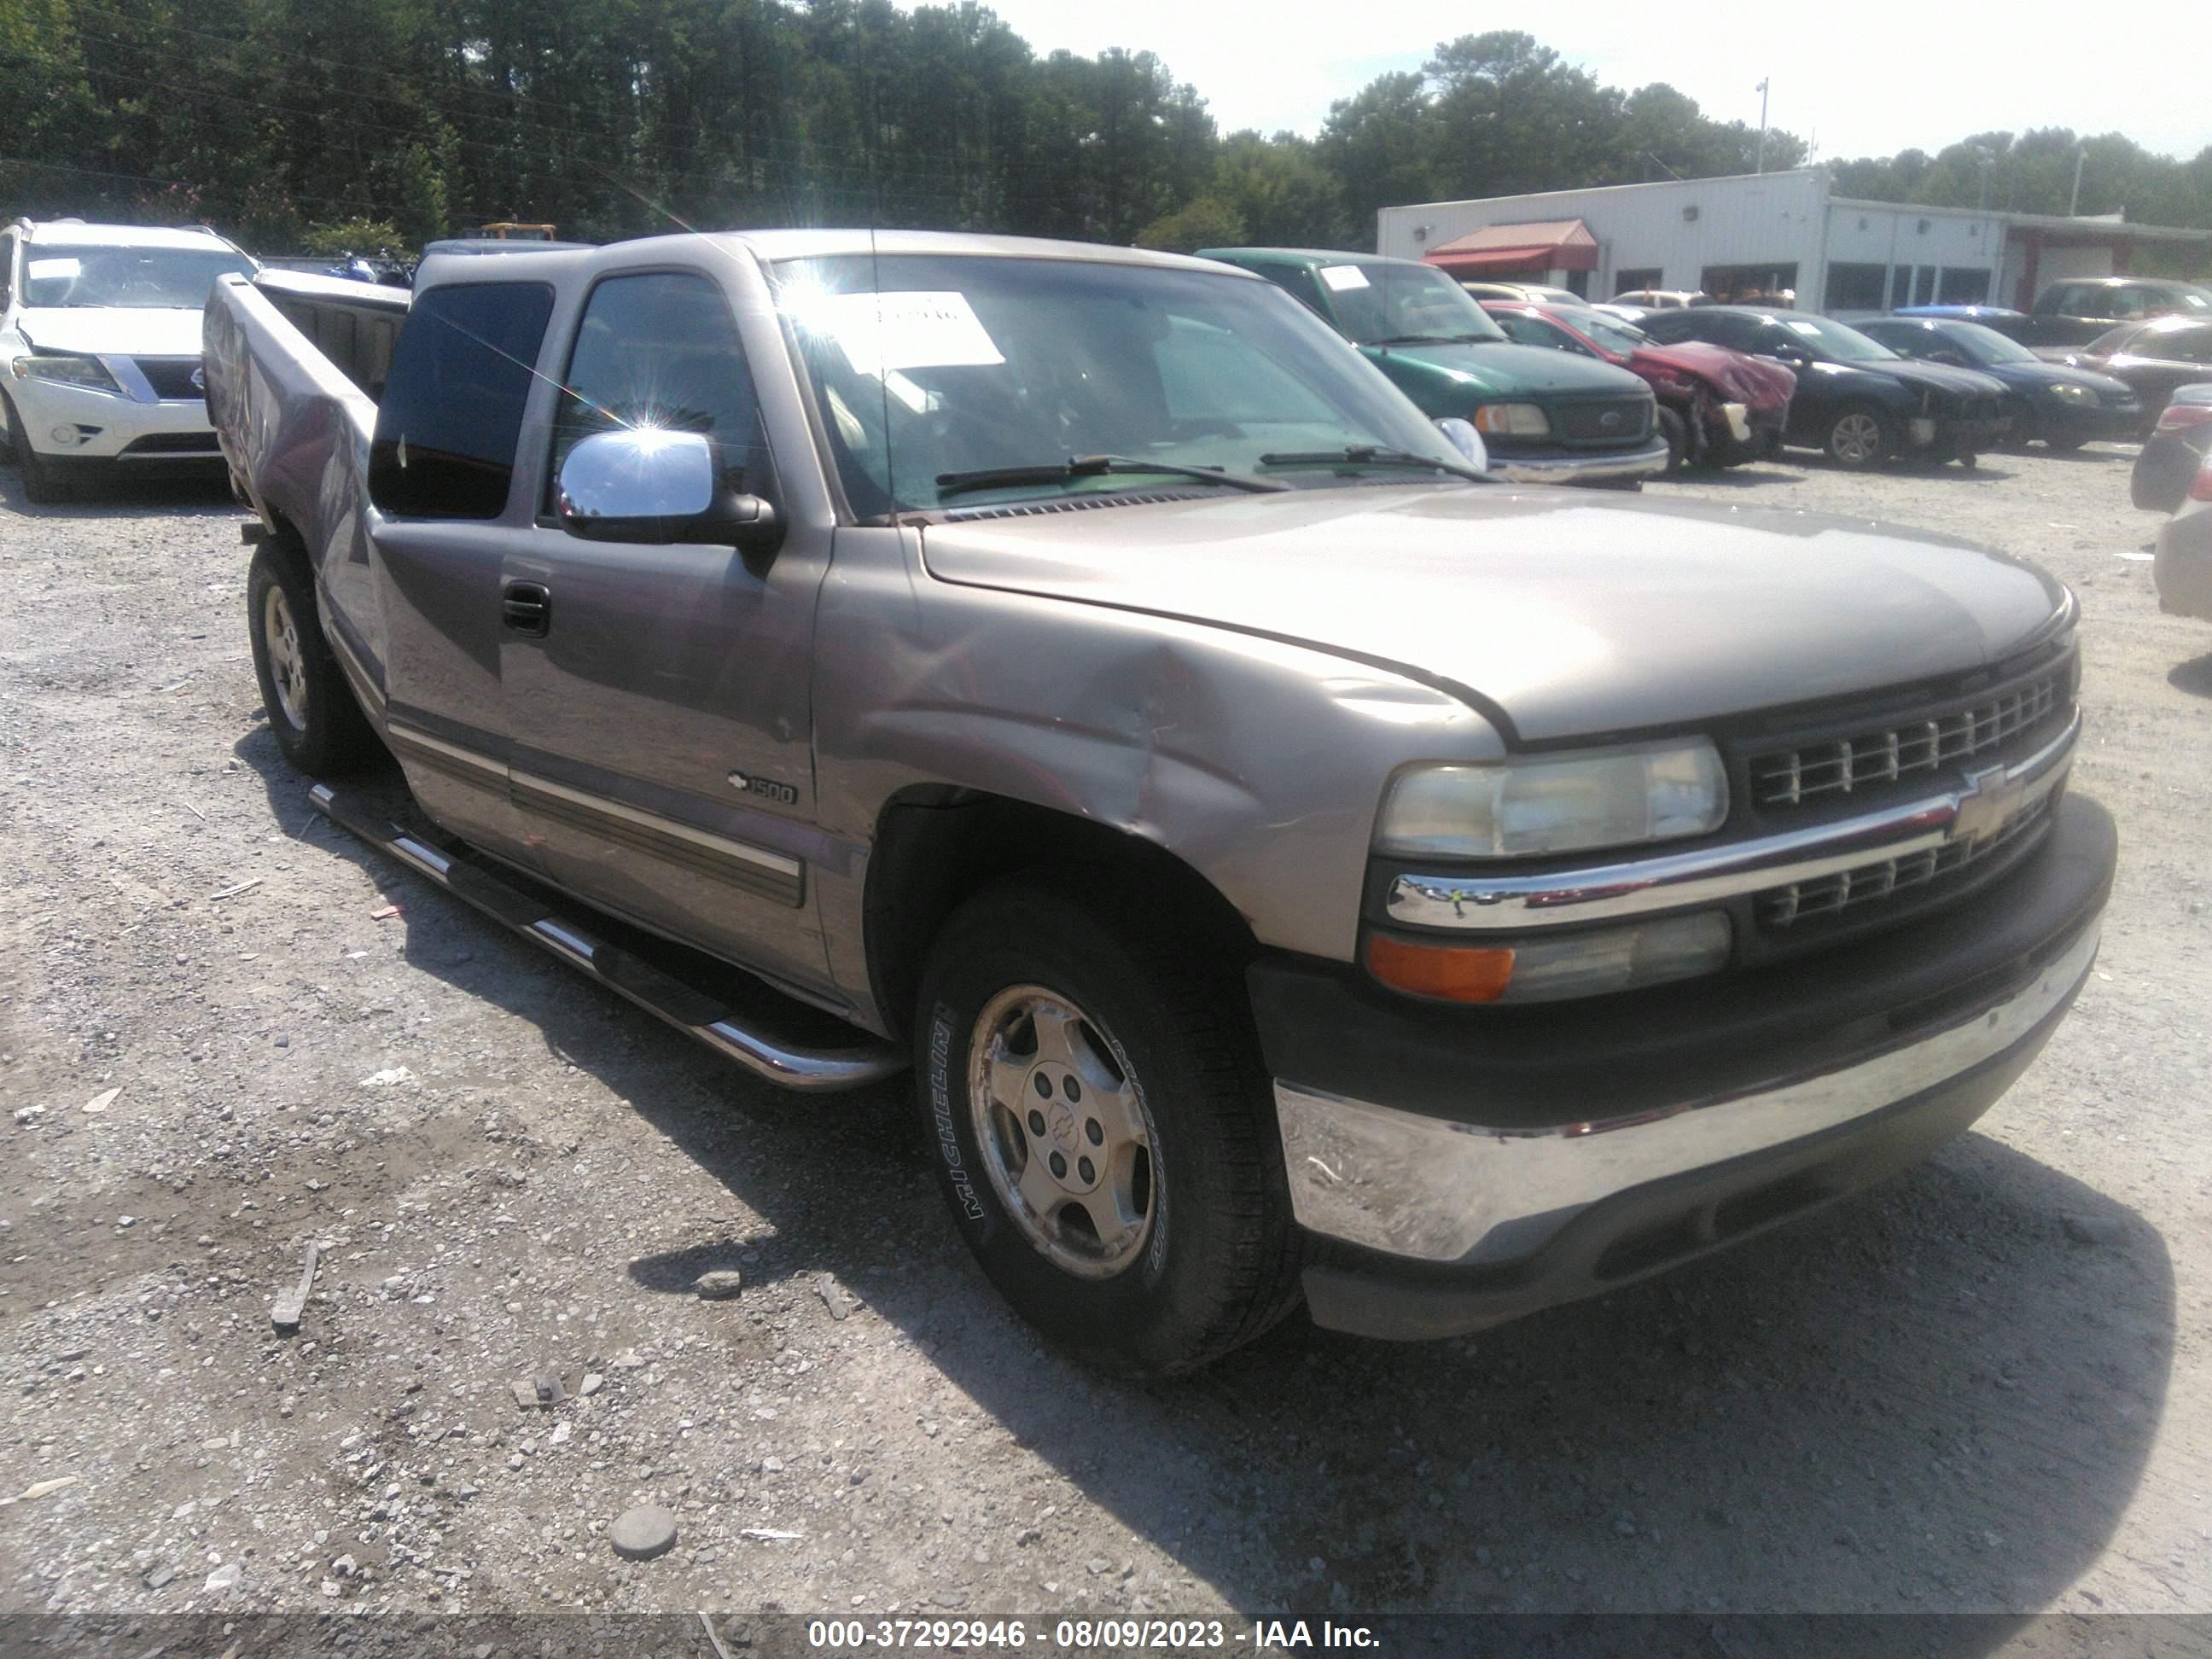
(424,585)
(658,696)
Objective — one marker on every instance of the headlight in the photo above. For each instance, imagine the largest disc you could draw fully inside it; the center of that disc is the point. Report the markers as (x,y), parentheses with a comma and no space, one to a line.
(1512,420)
(1557,803)
(2072,393)
(66,368)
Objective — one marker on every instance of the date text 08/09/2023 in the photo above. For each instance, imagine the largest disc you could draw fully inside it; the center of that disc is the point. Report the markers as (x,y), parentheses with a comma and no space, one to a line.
(1086,1635)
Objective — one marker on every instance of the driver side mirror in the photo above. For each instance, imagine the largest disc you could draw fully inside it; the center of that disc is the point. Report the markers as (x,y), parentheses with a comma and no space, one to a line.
(659,486)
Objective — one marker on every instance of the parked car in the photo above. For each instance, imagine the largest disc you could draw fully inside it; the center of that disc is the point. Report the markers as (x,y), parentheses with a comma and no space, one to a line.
(2154,357)
(1291,862)
(1663,299)
(1716,407)
(100,348)
(1855,398)
(1545,417)
(2063,407)
(2181,566)
(2166,469)
(1535,293)
(2076,311)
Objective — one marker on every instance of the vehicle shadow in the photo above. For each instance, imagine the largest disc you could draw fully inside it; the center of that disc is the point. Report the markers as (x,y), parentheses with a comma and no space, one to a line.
(199,491)
(2194,677)
(1938,1397)
(1752,475)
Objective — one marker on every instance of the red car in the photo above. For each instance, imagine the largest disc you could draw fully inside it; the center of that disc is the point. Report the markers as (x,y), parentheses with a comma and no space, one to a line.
(1716,407)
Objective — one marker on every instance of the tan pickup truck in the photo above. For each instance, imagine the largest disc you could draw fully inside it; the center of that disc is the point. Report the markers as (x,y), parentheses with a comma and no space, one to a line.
(1293,864)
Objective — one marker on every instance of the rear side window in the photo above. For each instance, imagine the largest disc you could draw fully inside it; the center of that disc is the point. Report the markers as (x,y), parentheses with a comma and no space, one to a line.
(452,414)
(7,271)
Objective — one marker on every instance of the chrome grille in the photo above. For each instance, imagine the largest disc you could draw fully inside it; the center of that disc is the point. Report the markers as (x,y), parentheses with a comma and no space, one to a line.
(1887,754)
(1865,883)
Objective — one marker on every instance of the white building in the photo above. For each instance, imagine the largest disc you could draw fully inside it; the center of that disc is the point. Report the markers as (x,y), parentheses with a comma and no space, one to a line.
(1767,233)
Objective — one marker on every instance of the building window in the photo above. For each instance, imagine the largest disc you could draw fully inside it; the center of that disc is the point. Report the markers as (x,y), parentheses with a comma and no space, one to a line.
(1857,287)
(1638,280)
(1773,283)
(1964,285)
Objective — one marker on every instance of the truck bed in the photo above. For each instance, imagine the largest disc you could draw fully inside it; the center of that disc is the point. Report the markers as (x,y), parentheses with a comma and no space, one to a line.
(294,365)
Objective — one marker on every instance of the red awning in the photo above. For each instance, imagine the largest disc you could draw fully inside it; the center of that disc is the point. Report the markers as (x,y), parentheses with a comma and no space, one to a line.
(1506,250)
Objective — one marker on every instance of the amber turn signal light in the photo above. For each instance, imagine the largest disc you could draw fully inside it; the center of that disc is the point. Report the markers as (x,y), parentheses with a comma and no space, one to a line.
(1452,972)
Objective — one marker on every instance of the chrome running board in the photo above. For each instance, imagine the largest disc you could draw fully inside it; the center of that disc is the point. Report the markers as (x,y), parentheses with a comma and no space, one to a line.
(698,1013)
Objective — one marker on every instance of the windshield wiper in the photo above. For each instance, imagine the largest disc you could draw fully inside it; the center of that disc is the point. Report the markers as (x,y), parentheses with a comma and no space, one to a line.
(1093,466)
(1369,455)
(1434,339)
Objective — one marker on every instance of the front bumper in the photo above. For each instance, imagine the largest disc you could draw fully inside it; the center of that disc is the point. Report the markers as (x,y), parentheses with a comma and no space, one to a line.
(136,427)
(2099,423)
(2182,569)
(1573,467)
(1951,434)
(1453,1169)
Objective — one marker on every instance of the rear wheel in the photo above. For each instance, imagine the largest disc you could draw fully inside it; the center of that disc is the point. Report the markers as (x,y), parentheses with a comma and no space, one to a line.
(312,710)
(1102,1127)
(1857,437)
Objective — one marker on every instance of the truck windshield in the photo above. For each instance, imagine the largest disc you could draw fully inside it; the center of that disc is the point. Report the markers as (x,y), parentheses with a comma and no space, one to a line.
(1404,305)
(934,372)
(140,278)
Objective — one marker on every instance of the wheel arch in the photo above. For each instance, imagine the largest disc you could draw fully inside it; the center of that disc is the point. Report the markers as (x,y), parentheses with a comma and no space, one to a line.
(936,845)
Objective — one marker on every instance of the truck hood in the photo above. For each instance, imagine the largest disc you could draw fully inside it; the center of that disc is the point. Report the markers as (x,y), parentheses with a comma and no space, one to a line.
(1565,614)
(1501,369)
(1758,383)
(113,331)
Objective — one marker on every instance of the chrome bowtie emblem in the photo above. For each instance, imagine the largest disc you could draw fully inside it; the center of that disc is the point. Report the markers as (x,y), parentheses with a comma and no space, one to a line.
(1986,804)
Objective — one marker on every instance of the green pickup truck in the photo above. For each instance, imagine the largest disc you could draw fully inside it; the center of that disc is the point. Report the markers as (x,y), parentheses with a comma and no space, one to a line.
(1545,417)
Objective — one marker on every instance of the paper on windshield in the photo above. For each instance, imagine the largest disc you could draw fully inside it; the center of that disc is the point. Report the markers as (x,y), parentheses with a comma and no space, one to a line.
(39,269)
(1340,278)
(1810,331)
(911,329)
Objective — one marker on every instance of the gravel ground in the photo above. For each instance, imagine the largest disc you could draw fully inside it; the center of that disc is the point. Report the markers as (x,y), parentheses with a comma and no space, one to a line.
(230,1030)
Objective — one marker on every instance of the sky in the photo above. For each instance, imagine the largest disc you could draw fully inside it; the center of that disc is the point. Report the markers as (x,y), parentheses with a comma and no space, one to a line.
(1893,76)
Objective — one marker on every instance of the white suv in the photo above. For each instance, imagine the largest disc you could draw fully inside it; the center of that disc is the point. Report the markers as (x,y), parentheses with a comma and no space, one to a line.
(100,345)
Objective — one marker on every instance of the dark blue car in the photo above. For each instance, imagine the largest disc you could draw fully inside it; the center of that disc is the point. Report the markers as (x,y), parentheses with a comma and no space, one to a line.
(2063,407)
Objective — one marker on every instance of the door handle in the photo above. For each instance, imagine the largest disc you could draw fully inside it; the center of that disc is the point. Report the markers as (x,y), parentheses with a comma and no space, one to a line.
(527,607)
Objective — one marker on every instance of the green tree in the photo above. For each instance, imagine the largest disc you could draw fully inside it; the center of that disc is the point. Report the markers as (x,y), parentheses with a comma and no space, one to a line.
(1209,222)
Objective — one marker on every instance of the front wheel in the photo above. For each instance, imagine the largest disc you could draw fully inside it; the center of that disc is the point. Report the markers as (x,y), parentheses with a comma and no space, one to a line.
(312,710)
(1102,1127)
(1678,440)
(2065,443)
(41,483)
(1856,438)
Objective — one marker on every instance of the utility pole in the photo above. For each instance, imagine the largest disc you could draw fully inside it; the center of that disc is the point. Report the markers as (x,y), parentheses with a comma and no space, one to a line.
(1759,166)
(2074,202)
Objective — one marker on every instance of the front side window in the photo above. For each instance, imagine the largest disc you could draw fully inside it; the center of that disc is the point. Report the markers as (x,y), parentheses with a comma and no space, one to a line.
(452,415)
(74,276)
(7,271)
(659,350)
(932,372)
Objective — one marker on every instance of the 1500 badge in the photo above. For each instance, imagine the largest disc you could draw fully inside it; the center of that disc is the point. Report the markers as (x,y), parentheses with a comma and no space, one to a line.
(783,795)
